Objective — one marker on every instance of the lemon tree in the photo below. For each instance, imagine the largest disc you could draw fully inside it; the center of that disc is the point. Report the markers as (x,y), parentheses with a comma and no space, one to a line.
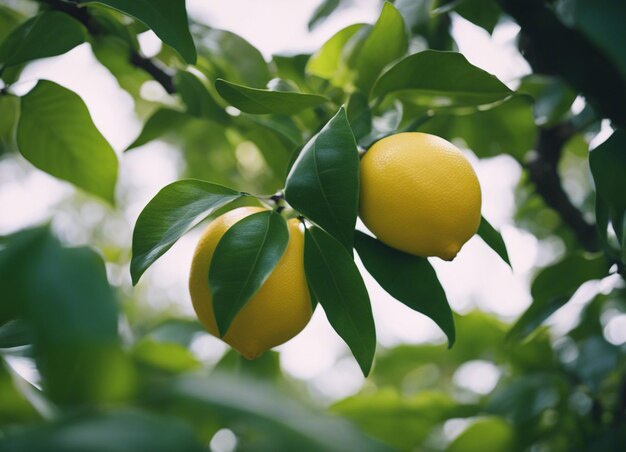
(306,175)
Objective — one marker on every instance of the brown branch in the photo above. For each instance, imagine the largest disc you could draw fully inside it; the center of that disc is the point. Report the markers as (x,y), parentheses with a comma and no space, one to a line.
(156,71)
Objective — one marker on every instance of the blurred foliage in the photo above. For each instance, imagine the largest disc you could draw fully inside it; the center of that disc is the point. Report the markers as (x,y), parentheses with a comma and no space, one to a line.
(86,365)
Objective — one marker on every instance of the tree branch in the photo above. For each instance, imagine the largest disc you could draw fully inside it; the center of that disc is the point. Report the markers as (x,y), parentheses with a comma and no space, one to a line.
(156,71)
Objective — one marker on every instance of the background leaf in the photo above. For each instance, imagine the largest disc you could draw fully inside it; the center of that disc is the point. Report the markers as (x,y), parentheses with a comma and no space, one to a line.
(49,33)
(160,123)
(167,18)
(171,213)
(493,238)
(323,10)
(323,183)
(337,285)
(440,79)
(409,279)
(244,258)
(265,101)
(493,431)
(56,134)
(197,98)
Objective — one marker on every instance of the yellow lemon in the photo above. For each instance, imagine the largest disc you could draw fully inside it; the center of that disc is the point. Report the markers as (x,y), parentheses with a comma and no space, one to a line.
(419,194)
(276,313)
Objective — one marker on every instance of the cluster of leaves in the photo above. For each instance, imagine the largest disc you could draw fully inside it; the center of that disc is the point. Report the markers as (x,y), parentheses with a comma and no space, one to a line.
(307,116)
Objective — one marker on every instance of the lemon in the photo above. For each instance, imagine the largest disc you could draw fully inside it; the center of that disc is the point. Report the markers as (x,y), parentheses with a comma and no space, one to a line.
(419,194)
(276,313)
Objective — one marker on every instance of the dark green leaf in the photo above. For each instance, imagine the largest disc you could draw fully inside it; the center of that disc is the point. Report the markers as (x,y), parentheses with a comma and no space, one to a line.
(323,183)
(233,57)
(9,113)
(9,20)
(553,98)
(359,115)
(608,166)
(56,134)
(409,279)
(160,123)
(167,18)
(337,285)
(414,12)
(386,43)
(484,13)
(554,286)
(441,79)
(47,34)
(15,333)
(323,10)
(493,239)
(197,98)
(511,127)
(171,213)
(265,101)
(493,431)
(117,431)
(330,61)
(596,360)
(276,421)
(244,258)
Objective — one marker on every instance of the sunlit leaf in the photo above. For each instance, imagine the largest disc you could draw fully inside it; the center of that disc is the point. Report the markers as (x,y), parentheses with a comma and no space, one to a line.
(494,431)
(56,134)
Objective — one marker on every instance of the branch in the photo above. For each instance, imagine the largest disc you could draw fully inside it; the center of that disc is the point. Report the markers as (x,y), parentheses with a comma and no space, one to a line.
(152,67)
(543,171)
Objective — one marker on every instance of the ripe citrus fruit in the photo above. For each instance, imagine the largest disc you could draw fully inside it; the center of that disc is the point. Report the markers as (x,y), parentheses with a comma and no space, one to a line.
(276,313)
(419,194)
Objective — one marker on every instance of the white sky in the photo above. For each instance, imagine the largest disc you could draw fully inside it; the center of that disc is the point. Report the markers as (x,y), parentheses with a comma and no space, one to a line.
(476,278)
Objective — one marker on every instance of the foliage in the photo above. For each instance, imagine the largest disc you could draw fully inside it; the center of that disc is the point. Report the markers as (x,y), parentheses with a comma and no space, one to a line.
(111,377)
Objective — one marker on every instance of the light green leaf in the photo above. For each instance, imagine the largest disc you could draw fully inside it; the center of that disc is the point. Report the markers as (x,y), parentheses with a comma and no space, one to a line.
(323,183)
(265,101)
(493,431)
(49,33)
(171,213)
(56,134)
(409,279)
(169,357)
(440,79)
(282,125)
(493,238)
(244,258)
(167,18)
(551,290)
(329,61)
(9,20)
(160,123)
(9,113)
(337,285)
(387,42)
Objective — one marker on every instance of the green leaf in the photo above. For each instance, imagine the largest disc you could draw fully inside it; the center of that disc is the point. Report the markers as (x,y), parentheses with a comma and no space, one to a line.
(197,98)
(16,407)
(330,62)
(484,13)
(9,113)
(386,42)
(47,34)
(608,166)
(265,101)
(282,125)
(56,134)
(414,12)
(15,333)
(403,421)
(167,18)
(511,127)
(323,10)
(337,285)
(493,431)
(409,279)
(116,431)
(231,57)
(274,420)
(171,213)
(553,98)
(160,123)
(493,238)
(554,286)
(359,115)
(9,20)
(440,79)
(244,258)
(168,357)
(323,183)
